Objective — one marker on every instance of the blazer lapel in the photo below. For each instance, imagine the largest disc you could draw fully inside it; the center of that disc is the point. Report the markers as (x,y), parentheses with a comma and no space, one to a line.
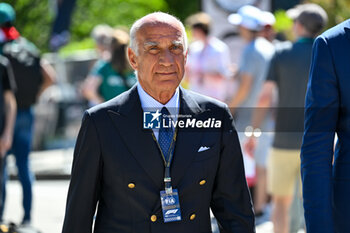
(187,141)
(128,121)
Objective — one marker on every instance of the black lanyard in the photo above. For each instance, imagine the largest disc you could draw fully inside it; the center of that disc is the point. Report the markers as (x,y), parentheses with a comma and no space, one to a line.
(167,163)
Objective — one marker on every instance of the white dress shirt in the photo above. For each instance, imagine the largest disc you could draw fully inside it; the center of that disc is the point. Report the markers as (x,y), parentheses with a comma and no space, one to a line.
(148,103)
(207,68)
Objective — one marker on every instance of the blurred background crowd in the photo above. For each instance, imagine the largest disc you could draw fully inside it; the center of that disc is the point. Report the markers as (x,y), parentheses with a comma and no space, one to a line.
(61,57)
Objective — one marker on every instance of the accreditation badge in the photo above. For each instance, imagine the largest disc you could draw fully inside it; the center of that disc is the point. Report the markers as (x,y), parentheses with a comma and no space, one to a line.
(170,206)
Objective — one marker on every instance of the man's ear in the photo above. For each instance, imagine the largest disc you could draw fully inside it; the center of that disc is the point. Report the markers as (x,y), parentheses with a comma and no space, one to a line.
(186,56)
(132,59)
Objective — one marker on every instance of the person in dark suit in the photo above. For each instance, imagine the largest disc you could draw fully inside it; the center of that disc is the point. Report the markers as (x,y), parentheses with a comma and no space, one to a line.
(325,171)
(122,167)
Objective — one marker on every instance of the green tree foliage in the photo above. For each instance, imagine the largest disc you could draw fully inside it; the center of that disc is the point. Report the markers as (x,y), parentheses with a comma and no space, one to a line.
(33,20)
(283,22)
(89,13)
(35,17)
(337,10)
(183,8)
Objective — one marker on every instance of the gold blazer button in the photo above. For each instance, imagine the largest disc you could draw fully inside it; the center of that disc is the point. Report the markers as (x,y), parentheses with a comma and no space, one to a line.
(131,185)
(153,218)
(192,217)
(202,182)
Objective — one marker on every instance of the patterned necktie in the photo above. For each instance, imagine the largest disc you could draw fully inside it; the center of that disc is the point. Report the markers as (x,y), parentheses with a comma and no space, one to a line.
(165,136)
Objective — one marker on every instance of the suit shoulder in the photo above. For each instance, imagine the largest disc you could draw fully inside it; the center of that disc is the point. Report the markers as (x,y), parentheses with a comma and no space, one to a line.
(337,31)
(204,101)
(114,104)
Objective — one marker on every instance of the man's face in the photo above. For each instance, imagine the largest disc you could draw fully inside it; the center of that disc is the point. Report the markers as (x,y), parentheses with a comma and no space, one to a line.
(161,58)
(245,33)
(198,34)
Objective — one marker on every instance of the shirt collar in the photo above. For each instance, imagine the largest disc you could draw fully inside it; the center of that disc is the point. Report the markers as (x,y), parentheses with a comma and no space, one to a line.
(149,103)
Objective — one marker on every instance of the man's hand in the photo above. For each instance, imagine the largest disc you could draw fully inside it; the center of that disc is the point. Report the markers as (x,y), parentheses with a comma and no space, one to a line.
(250,145)
(5,144)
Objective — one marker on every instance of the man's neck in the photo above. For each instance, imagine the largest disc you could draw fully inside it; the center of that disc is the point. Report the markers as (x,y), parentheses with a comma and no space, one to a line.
(302,34)
(163,97)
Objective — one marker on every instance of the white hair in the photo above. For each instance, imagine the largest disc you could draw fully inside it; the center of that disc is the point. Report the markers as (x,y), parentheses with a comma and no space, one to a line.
(158,17)
(102,34)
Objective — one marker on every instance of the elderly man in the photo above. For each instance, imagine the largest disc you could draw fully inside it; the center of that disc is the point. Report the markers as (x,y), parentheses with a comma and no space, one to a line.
(161,179)
(208,65)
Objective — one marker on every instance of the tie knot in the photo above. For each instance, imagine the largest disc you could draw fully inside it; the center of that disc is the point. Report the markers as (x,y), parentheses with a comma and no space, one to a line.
(165,117)
(165,111)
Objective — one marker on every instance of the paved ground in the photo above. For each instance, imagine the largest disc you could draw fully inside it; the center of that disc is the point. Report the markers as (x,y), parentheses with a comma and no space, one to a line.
(48,204)
(50,164)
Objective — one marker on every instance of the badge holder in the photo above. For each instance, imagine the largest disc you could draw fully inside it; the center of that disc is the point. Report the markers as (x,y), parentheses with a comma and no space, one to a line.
(170,202)
(169,197)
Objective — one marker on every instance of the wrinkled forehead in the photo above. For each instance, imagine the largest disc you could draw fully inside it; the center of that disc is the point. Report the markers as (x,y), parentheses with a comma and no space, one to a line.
(157,30)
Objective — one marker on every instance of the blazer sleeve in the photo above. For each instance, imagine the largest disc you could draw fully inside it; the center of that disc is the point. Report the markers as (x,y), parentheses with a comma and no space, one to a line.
(231,202)
(321,114)
(84,188)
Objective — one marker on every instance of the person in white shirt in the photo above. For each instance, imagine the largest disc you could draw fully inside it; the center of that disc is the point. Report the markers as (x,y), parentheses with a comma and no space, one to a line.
(208,64)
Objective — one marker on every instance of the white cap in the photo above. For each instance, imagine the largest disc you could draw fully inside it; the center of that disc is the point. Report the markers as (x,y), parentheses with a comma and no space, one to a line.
(267,18)
(247,16)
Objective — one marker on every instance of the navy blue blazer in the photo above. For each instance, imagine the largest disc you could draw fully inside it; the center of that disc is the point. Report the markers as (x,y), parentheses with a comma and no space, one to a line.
(117,166)
(326,186)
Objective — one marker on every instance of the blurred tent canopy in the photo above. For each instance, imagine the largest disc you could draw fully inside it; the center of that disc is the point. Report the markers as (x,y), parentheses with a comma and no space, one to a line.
(34,18)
